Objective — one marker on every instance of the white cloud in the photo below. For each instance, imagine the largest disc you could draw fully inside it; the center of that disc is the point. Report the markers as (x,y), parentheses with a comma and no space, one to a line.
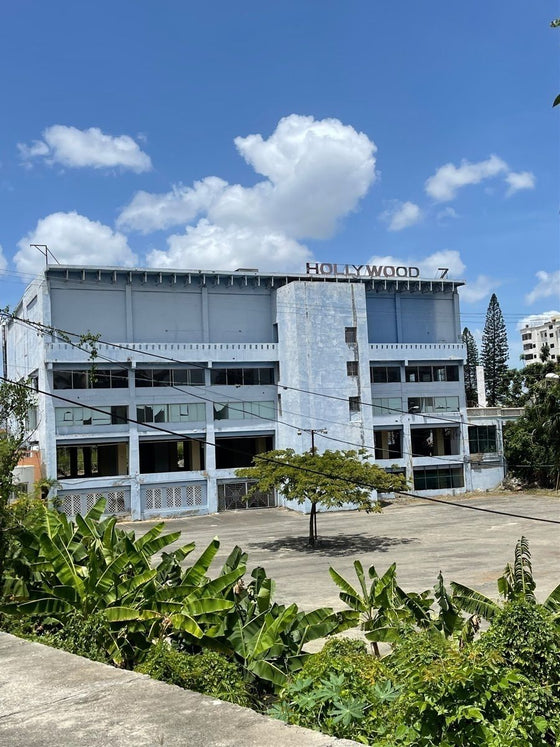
(75,148)
(480,288)
(519,180)
(401,215)
(3,261)
(217,248)
(149,212)
(548,285)
(534,320)
(447,212)
(430,268)
(448,179)
(316,173)
(74,240)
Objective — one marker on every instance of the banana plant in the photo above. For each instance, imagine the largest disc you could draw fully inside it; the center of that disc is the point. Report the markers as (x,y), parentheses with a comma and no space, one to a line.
(383,609)
(91,567)
(516,582)
(268,638)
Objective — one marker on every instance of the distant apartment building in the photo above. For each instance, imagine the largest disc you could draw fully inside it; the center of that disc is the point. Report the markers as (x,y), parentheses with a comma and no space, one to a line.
(533,337)
(197,372)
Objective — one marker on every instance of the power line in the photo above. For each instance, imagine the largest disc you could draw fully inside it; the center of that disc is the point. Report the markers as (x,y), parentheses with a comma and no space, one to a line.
(309,470)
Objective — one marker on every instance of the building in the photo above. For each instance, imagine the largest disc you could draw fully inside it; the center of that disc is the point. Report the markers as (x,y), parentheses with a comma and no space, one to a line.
(194,373)
(533,337)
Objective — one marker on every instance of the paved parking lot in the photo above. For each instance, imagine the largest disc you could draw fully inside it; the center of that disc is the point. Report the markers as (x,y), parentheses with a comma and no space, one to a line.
(468,546)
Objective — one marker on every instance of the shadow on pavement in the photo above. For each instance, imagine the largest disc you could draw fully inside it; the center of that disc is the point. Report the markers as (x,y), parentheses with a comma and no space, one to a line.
(342,544)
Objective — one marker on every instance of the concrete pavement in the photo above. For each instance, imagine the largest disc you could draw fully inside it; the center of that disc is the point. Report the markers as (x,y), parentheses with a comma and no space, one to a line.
(421,537)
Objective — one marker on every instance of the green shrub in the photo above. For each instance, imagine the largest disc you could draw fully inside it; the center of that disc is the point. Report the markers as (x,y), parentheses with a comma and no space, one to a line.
(208,672)
(341,690)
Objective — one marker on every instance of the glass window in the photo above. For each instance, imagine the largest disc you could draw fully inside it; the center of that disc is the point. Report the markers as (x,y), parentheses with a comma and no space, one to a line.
(350,335)
(425,373)
(482,439)
(388,444)
(244,410)
(385,374)
(386,405)
(161,377)
(351,368)
(62,380)
(438,478)
(354,404)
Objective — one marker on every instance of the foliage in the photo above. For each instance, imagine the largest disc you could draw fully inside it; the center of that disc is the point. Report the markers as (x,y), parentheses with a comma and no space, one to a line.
(341,690)
(15,402)
(267,638)
(330,479)
(208,672)
(532,443)
(472,361)
(525,635)
(92,568)
(385,611)
(495,354)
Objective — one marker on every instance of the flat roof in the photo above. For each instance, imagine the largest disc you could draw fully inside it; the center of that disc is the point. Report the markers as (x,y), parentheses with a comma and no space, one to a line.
(343,274)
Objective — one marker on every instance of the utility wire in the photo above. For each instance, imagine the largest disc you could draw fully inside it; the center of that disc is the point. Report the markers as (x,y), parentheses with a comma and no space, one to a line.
(309,470)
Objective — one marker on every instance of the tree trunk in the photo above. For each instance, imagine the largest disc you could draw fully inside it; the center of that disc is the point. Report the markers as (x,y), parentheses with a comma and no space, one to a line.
(313,525)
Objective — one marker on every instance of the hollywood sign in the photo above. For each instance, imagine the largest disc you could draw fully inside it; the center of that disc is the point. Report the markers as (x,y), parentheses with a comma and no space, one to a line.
(371,271)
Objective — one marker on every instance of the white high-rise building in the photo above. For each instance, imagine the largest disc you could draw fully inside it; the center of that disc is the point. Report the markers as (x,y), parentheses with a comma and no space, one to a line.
(535,336)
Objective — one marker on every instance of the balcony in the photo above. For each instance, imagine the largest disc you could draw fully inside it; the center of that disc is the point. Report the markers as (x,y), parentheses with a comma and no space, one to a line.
(417,351)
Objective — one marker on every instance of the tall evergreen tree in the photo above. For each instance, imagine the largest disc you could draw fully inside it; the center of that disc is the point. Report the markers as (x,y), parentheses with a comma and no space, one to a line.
(495,354)
(471,363)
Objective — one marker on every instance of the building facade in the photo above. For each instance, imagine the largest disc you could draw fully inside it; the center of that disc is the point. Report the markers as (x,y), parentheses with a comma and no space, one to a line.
(534,337)
(155,386)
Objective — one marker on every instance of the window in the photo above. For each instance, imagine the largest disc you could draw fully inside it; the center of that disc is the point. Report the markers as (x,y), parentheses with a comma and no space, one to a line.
(386,405)
(242,376)
(438,478)
(150,377)
(91,378)
(388,444)
(191,412)
(435,441)
(69,417)
(239,452)
(95,460)
(244,410)
(427,374)
(482,439)
(351,368)
(171,456)
(385,374)
(433,404)
(350,335)
(354,404)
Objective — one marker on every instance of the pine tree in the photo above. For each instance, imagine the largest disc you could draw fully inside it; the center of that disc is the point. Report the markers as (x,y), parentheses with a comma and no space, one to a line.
(471,363)
(495,354)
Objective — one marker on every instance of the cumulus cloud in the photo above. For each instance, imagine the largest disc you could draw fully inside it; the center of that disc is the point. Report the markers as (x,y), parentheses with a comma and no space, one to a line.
(430,268)
(74,240)
(448,179)
(316,172)
(149,212)
(519,180)
(447,213)
(534,320)
(548,285)
(230,248)
(401,215)
(480,288)
(75,148)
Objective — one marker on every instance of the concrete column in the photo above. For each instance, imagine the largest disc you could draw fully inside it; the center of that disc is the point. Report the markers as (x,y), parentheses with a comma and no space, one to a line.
(211,486)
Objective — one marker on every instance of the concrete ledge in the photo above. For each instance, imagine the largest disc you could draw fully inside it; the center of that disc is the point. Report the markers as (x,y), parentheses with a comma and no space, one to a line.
(49,697)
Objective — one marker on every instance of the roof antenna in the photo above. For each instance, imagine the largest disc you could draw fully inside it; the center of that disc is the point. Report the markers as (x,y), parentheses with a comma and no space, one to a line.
(44,249)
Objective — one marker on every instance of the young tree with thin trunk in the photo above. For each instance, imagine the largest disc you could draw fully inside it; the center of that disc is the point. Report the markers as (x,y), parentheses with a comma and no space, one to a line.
(473,360)
(495,354)
(329,479)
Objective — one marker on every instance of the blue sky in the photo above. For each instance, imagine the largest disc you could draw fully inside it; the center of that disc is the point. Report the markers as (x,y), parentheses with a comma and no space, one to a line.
(223,135)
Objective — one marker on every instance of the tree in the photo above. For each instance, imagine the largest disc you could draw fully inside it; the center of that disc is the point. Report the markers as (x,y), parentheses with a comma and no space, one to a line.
(473,360)
(15,402)
(495,354)
(532,443)
(330,479)
(544,354)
